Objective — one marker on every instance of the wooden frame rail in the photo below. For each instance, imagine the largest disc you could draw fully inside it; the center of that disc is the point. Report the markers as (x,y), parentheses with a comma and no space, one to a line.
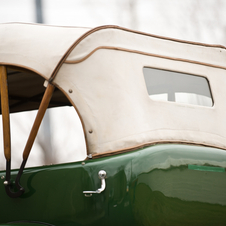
(40,114)
(5,113)
(6,132)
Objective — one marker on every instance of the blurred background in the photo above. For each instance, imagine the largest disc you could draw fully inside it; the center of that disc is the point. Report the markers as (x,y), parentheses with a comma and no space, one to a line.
(193,20)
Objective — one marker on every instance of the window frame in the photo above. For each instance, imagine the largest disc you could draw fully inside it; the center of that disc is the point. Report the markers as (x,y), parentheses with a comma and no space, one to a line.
(183,73)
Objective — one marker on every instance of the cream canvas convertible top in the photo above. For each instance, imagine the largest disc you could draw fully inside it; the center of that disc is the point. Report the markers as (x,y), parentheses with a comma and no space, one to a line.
(100,71)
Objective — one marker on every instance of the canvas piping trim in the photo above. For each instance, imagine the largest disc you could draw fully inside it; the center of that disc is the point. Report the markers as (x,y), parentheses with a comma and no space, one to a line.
(143,53)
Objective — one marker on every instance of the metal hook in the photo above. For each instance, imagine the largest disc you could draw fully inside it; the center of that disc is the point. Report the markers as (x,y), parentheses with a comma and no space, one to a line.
(8,184)
(11,193)
(102,175)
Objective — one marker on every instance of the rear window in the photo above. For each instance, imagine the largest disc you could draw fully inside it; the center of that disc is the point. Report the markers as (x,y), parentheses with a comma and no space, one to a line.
(177,87)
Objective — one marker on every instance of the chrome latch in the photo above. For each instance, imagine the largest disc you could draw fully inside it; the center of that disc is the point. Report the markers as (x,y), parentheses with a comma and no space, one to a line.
(102,175)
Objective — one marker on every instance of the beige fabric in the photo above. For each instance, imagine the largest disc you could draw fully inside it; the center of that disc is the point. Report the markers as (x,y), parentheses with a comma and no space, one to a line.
(113,37)
(110,93)
(37,47)
(108,89)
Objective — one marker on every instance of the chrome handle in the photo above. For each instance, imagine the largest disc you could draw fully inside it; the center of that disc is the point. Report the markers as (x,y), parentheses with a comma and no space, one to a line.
(102,175)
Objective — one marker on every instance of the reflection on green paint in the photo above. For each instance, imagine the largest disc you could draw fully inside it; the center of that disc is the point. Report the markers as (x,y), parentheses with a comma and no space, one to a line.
(150,186)
(206,168)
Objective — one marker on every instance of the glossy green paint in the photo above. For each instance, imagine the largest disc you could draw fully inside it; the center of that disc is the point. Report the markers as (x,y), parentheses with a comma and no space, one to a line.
(25,223)
(206,168)
(167,192)
(150,186)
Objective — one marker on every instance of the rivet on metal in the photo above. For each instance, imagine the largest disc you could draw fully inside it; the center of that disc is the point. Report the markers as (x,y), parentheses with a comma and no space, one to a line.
(70,90)
(2,177)
(6,182)
(83,163)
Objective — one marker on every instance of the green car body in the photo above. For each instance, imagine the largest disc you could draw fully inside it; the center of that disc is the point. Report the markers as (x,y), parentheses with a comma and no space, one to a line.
(152,117)
(165,184)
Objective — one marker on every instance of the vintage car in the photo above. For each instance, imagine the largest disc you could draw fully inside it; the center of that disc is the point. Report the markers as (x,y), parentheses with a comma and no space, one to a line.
(153,114)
